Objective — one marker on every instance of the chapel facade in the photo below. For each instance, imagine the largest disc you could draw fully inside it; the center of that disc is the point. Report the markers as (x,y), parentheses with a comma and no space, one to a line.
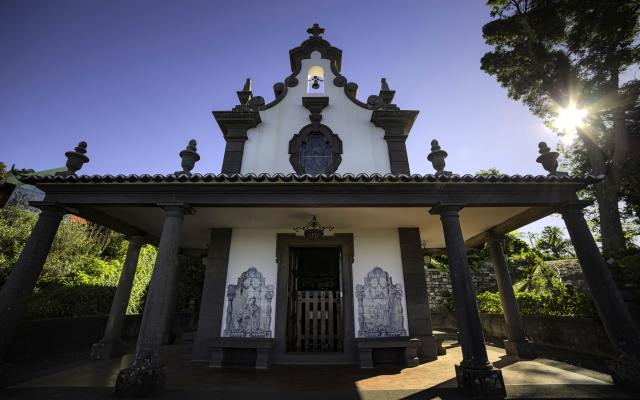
(314,233)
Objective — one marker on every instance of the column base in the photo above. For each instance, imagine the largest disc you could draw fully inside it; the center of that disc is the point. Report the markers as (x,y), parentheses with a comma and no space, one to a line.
(139,381)
(625,375)
(106,350)
(480,382)
(524,349)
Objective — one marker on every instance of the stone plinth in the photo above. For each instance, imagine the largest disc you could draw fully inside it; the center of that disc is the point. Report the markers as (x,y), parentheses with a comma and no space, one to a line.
(480,382)
(139,381)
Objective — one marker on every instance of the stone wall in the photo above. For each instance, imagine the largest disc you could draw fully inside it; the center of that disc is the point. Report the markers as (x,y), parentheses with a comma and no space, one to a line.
(580,335)
(37,337)
(438,282)
(483,279)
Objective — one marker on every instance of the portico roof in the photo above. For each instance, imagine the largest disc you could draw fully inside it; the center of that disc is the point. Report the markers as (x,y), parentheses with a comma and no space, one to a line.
(295,178)
(493,205)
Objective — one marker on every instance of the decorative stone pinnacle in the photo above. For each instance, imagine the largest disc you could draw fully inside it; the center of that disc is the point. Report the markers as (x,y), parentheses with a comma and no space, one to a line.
(189,158)
(75,159)
(544,149)
(437,158)
(549,160)
(385,93)
(245,95)
(82,148)
(315,30)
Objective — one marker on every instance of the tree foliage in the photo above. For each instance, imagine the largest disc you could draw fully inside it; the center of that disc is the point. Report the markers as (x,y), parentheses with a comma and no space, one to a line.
(557,54)
(82,270)
(551,241)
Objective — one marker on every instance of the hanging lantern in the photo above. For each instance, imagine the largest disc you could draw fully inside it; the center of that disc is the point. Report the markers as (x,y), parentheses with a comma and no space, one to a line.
(313,230)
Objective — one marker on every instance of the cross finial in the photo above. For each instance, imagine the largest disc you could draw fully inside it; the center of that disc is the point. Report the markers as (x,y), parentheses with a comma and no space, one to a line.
(315,30)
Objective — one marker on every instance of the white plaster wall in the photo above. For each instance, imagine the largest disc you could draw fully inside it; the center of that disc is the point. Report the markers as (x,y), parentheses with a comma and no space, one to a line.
(377,248)
(372,248)
(363,145)
(253,248)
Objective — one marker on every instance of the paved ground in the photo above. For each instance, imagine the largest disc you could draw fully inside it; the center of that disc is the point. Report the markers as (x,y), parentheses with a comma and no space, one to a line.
(187,380)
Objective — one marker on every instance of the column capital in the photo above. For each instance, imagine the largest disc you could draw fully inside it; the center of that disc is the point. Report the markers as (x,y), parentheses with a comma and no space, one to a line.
(572,207)
(446,208)
(136,240)
(183,207)
(496,239)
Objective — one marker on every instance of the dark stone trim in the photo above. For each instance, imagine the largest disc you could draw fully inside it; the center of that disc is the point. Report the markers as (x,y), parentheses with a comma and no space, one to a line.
(213,291)
(315,105)
(396,125)
(234,126)
(374,194)
(525,218)
(100,218)
(581,180)
(303,52)
(300,138)
(284,242)
(416,292)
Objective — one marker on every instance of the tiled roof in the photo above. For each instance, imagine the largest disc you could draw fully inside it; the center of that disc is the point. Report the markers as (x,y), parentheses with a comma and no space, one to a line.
(281,178)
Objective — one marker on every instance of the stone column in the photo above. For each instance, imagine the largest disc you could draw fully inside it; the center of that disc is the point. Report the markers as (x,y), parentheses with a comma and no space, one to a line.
(618,323)
(517,344)
(24,275)
(416,292)
(169,336)
(475,375)
(111,345)
(146,373)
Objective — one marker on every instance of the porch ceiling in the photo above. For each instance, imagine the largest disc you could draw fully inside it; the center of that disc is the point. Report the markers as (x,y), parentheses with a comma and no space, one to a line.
(196,228)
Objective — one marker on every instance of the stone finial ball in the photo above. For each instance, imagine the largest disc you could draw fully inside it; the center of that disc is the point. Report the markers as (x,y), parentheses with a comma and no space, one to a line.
(544,149)
(434,145)
(82,145)
(192,142)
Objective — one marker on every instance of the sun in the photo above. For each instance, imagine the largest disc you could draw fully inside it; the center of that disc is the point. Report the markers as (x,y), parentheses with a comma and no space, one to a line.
(569,118)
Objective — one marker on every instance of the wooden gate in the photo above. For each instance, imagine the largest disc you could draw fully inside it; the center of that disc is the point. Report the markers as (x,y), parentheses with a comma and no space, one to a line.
(319,321)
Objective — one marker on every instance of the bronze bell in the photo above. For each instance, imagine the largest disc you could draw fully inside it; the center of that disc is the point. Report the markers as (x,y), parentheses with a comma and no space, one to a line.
(315,84)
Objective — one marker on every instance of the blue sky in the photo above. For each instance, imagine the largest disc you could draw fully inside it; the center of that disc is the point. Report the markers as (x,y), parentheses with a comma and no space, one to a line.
(137,79)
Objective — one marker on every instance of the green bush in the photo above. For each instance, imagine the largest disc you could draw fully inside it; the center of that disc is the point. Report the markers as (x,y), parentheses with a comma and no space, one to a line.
(570,304)
(83,268)
(624,264)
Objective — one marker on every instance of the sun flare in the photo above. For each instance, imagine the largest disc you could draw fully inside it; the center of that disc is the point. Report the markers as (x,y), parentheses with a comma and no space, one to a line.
(570,118)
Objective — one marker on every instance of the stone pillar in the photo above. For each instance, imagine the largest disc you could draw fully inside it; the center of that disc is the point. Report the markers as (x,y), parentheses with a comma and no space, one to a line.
(213,293)
(417,294)
(475,375)
(618,323)
(146,373)
(517,344)
(234,126)
(169,336)
(24,275)
(396,125)
(111,345)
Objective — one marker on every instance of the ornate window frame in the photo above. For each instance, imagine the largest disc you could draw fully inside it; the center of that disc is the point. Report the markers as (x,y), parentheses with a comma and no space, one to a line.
(301,138)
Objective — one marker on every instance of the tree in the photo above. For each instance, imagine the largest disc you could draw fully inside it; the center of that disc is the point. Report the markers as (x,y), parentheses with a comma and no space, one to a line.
(552,241)
(560,56)
(489,172)
(4,173)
